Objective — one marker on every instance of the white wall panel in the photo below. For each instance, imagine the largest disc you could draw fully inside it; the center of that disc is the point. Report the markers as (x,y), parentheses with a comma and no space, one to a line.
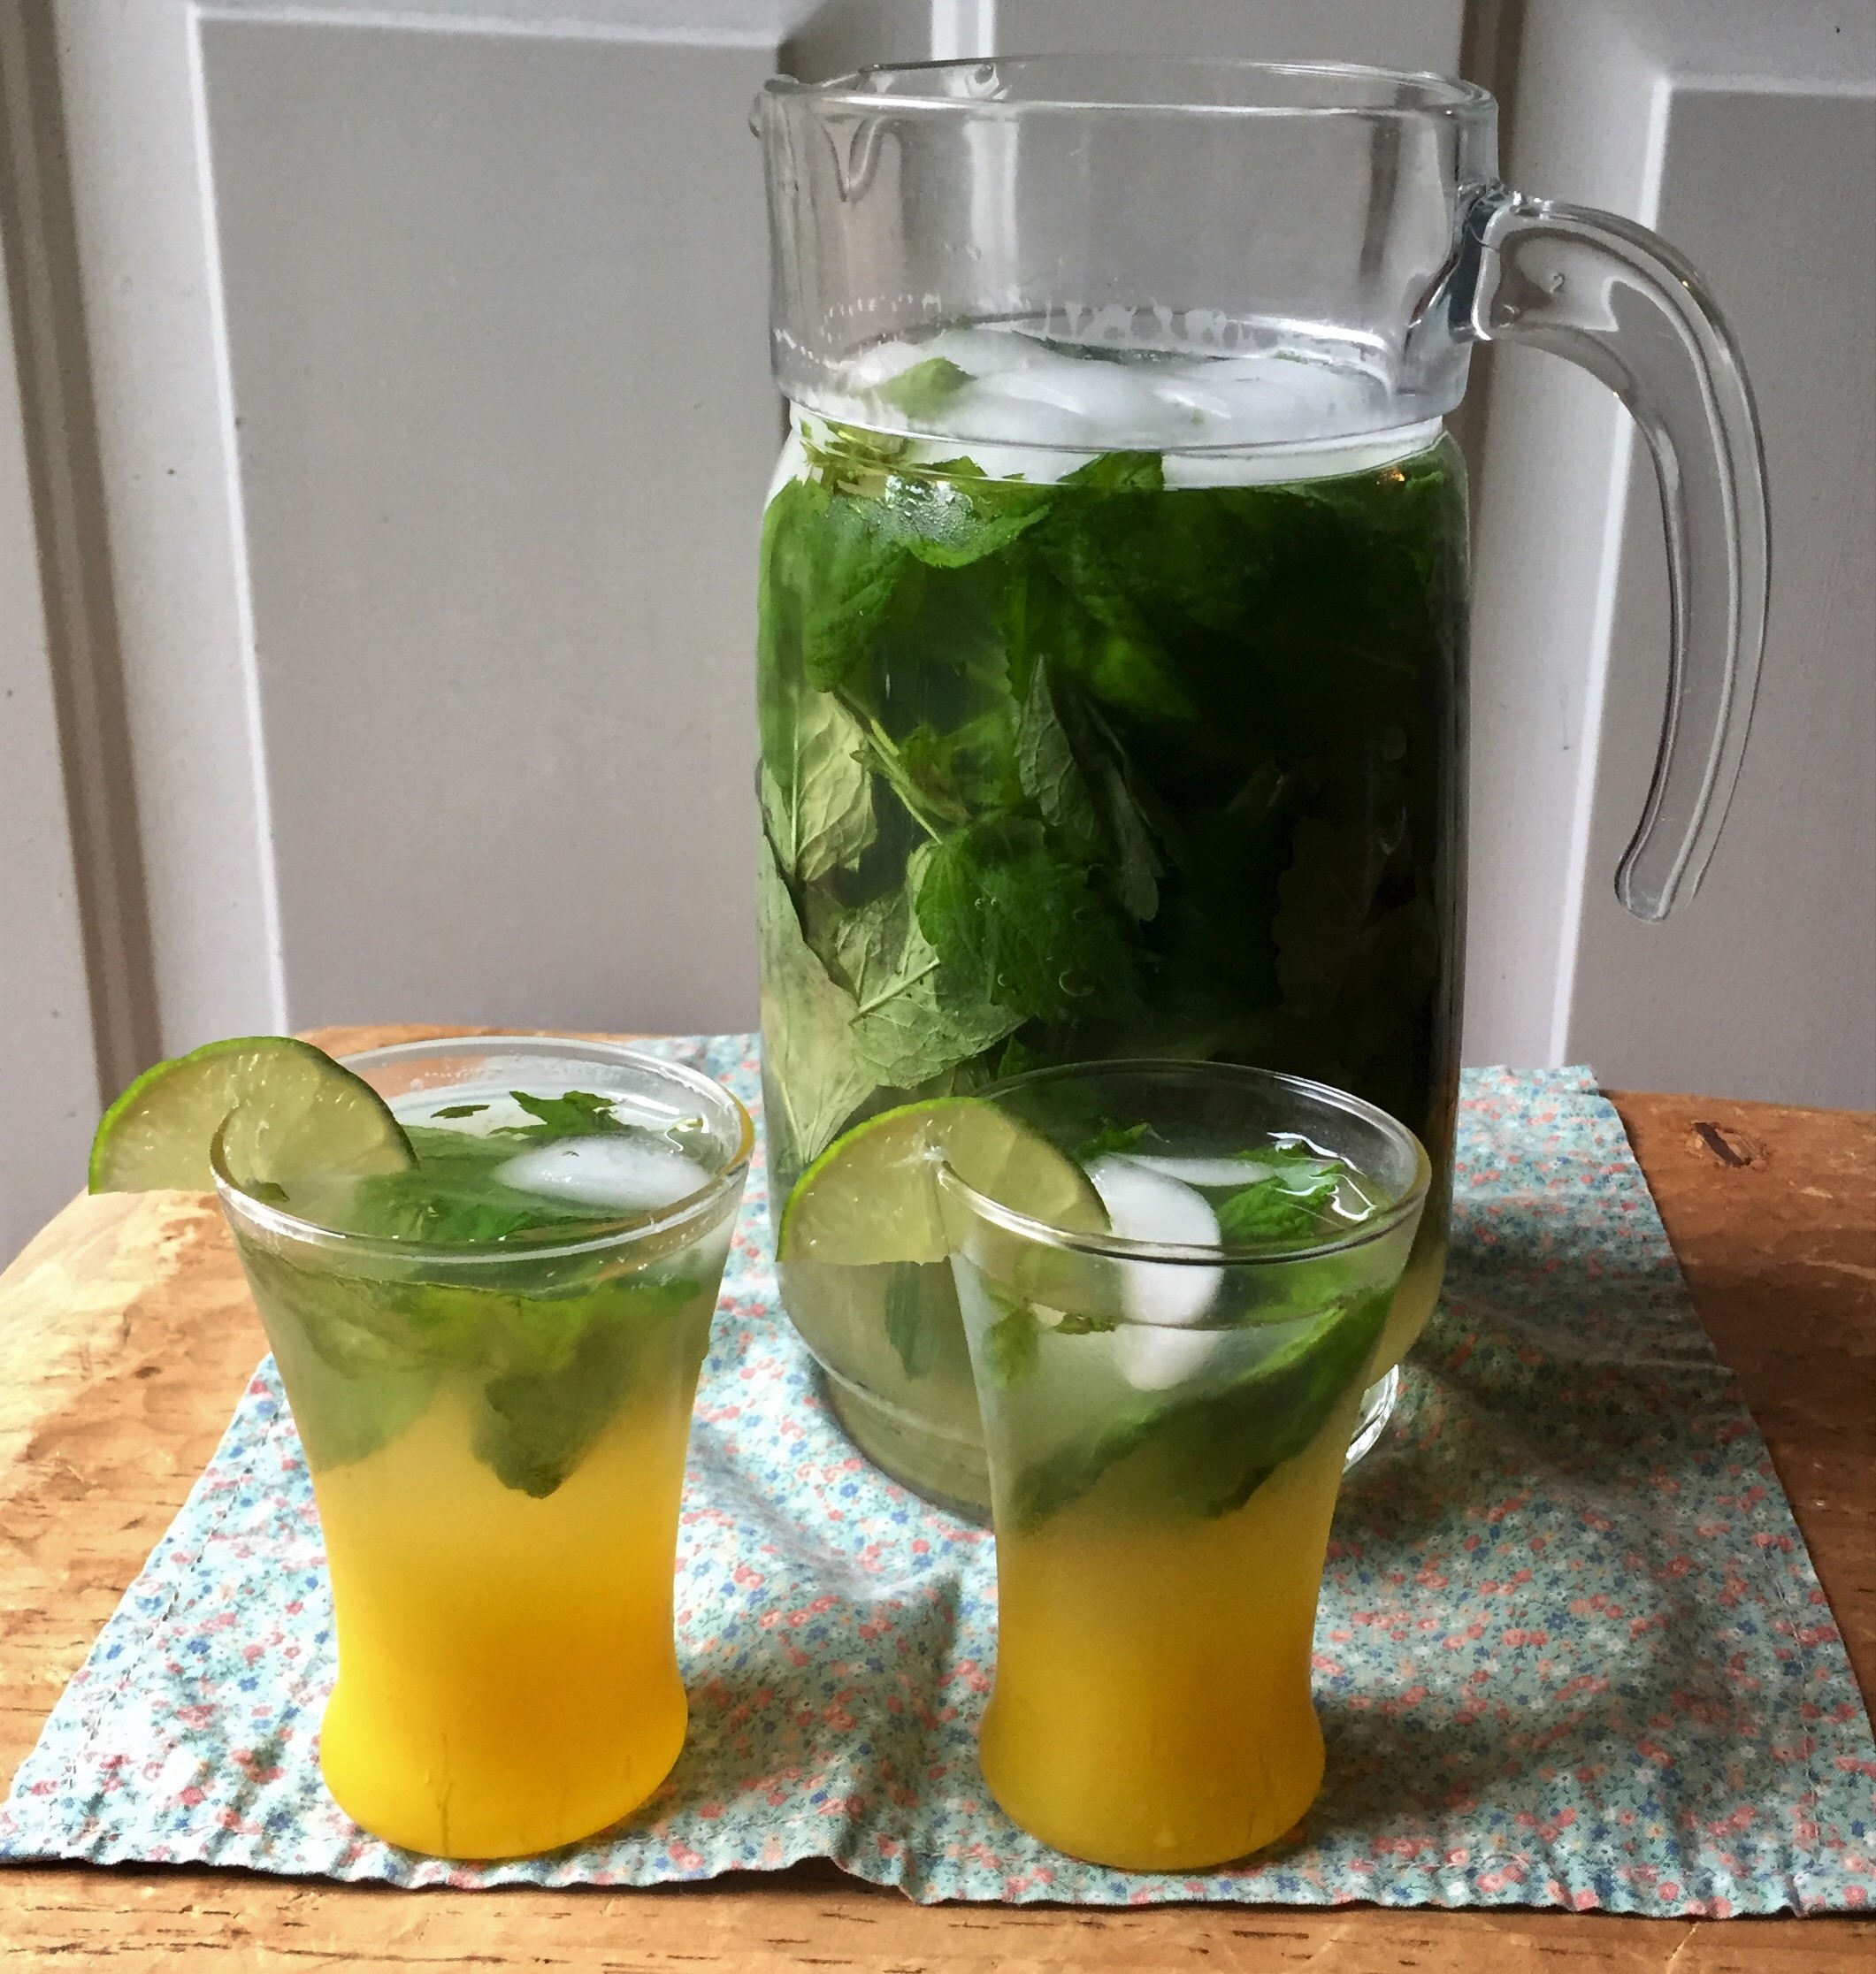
(1745,135)
(1554,450)
(1390,33)
(496,318)
(839,36)
(1766,986)
(425,344)
(48,1067)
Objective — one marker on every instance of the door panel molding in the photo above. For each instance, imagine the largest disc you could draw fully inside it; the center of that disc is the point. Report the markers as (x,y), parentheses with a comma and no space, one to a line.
(48,1049)
(66,607)
(161,503)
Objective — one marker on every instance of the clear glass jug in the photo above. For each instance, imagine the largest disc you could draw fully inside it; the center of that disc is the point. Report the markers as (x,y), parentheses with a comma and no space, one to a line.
(1112,678)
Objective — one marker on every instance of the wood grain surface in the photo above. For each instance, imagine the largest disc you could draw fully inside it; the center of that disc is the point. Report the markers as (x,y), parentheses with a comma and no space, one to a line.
(125,1335)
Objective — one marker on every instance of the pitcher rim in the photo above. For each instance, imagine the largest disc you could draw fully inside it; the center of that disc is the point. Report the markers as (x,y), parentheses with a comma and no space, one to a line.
(1438,95)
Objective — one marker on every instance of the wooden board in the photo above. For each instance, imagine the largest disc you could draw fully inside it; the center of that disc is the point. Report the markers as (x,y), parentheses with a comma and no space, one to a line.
(126,1335)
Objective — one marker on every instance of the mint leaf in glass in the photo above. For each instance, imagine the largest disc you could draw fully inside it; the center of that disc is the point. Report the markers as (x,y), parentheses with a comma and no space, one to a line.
(573,1113)
(923,390)
(1013,1344)
(1022,927)
(1276,1209)
(1205,1453)
(1112,1137)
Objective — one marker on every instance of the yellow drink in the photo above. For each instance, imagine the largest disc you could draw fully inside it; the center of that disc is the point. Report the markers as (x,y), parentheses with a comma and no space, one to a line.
(491,1353)
(506,1677)
(1152,1707)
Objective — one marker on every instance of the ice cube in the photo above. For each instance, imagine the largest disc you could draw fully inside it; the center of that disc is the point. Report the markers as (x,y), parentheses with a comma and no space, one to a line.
(1202,1172)
(1243,406)
(1103,397)
(1015,416)
(1157,1359)
(1162,1298)
(620,1170)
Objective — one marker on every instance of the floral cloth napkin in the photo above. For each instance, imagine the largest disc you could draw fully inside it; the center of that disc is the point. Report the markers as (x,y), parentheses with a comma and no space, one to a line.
(1571,1649)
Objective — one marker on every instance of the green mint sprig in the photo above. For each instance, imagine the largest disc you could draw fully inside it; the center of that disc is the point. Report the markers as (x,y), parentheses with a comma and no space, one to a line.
(1182,739)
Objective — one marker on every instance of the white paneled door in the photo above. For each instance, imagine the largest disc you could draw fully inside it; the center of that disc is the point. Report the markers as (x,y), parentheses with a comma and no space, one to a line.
(493,308)
(47,1056)
(1746,134)
(378,519)
(400,374)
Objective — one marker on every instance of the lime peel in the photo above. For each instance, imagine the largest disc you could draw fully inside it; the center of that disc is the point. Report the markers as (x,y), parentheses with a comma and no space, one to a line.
(872,1196)
(294,1111)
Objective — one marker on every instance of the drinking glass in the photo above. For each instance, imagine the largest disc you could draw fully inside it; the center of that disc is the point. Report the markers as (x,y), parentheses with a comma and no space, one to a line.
(495,1424)
(1167,1406)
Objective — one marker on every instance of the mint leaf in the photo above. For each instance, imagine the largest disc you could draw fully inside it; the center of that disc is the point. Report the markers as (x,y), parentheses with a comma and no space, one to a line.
(877,951)
(1013,1343)
(535,1427)
(1049,773)
(843,454)
(1206,1454)
(1274,1209)
(912,1336)
(1069,1324)
(354,1387)
(1136,863)
(817,796)
(932,810)
(973,767)
(1022,928)
(1120,472)
(810,1078)
(856,579)
(923,390)
(828,582)
(910,1024)
(1112,1137)
(573,1113)
(960,519)
(453,1196)
(459,1110)
(1067,606)
(1082,789)
(577,1353)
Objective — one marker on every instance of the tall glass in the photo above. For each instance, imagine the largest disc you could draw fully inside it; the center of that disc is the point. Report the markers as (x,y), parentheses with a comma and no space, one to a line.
(1166,1415)
(496,1430)
(1111,674)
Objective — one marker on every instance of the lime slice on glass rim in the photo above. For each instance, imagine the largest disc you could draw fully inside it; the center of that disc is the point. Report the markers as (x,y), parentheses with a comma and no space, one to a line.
(872,1196)
(290,1109)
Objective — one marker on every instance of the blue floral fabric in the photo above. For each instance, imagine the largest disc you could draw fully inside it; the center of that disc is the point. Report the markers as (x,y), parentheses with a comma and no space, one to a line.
(1571,1649)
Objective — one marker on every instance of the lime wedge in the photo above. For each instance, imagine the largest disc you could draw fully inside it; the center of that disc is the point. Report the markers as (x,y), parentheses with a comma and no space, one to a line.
(292,1110)
(872,1196)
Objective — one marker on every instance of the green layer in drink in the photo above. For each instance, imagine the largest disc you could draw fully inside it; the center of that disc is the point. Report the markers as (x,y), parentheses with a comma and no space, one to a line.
(489,1262)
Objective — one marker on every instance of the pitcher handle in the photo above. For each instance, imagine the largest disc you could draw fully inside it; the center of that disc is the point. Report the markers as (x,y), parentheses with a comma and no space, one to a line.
(1617,300)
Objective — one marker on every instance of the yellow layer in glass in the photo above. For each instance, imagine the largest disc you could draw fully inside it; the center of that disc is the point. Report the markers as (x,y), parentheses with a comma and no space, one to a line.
(1152,1707)
(506,1677)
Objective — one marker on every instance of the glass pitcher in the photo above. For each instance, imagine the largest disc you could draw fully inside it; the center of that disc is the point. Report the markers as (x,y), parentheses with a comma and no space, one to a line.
(1112,665)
